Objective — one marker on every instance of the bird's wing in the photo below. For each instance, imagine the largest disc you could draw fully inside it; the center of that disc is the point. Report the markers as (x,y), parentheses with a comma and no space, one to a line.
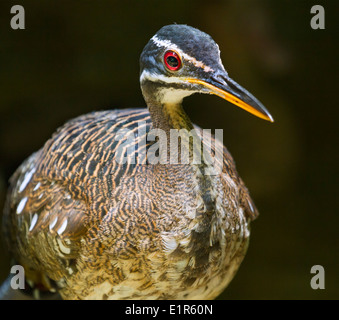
(49,208)
(43,224)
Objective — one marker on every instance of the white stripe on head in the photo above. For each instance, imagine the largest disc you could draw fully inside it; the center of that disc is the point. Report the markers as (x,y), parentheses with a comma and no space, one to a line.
(169,45)
(167,95)
(146,75)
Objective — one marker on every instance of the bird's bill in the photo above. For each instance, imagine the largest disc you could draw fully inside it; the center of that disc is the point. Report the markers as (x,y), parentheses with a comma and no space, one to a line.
(231,91)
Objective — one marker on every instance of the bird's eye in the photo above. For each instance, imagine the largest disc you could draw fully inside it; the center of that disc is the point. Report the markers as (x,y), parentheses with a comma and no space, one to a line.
(172,60)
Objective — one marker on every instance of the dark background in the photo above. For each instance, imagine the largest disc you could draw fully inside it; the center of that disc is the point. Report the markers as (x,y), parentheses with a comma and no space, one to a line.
(79,56)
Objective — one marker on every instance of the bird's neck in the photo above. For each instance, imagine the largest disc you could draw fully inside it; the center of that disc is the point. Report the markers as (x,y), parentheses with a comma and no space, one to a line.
(165,107)
(168,115)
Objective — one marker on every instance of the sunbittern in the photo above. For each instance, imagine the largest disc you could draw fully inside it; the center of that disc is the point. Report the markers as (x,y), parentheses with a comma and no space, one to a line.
(90,227)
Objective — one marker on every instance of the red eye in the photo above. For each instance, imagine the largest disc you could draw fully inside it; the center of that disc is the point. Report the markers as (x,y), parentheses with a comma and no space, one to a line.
(172,60)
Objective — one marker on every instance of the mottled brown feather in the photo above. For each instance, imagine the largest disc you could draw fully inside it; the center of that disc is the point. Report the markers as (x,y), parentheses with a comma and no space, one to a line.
(133,231)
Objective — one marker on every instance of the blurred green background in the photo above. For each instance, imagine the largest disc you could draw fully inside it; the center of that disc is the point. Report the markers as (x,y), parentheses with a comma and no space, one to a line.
(79,56)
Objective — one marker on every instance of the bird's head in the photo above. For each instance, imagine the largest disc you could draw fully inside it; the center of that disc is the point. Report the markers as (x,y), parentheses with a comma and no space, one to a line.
(180,60)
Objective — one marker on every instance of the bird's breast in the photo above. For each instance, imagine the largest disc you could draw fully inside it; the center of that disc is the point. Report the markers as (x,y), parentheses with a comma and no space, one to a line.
(171,239)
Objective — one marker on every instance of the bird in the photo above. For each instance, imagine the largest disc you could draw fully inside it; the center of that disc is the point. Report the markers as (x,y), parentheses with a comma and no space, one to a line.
(107,210)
